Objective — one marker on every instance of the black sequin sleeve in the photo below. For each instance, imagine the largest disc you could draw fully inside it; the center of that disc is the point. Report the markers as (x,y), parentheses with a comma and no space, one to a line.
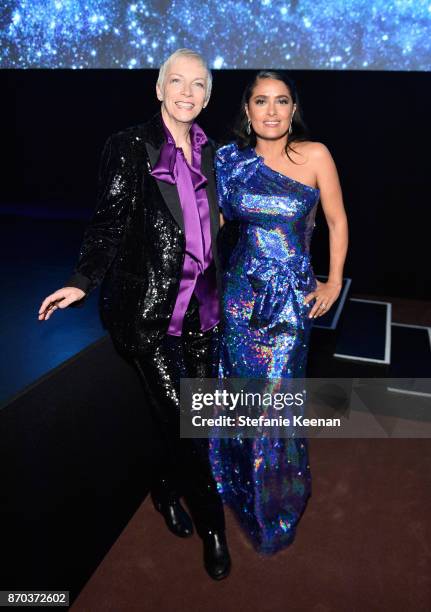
(104,232)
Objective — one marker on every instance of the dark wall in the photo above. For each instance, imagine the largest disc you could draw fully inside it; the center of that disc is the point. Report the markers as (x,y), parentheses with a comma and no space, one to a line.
(375,124)
(76,456)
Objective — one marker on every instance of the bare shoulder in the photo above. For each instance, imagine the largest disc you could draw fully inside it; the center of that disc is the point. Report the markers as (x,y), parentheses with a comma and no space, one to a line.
(312,151)
(315,150)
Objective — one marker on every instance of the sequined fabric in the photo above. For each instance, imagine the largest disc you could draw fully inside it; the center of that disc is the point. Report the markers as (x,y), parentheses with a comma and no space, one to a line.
(182,468)
(135,244)
(265,334)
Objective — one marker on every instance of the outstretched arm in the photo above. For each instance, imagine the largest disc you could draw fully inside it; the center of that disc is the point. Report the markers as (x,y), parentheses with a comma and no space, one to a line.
(104,232)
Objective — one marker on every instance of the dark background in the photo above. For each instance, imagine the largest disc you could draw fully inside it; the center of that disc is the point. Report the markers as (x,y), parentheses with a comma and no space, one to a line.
(76,447)
(375,124)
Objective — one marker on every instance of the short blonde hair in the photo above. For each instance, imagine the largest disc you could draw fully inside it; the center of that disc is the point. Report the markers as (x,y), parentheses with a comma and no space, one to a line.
(185,53)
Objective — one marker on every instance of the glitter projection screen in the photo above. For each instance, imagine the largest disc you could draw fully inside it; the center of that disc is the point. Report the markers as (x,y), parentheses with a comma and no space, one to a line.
(295,34)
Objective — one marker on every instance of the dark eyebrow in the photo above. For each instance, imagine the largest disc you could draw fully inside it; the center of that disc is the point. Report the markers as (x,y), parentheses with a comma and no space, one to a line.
(265,96)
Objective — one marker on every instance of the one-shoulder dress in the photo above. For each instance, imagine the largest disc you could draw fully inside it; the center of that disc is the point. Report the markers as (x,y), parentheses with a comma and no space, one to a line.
(265,335)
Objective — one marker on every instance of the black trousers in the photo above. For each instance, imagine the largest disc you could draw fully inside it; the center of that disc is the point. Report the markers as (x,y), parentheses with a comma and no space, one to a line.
(184,468)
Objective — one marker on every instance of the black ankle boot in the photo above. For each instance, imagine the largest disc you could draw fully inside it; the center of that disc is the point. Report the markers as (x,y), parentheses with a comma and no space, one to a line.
(176,518)
(216,555)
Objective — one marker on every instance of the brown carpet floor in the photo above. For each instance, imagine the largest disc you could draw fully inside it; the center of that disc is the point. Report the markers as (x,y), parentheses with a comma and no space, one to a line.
(413,312)
(364,544)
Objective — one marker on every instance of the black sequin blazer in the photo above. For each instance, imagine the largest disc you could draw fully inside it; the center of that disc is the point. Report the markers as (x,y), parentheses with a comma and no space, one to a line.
(135,243)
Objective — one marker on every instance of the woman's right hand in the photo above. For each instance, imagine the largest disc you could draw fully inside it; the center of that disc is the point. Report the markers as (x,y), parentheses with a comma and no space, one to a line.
(59,299)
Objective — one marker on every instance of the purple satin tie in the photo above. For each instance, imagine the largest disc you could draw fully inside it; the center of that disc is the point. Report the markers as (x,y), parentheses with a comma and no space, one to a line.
(198,274)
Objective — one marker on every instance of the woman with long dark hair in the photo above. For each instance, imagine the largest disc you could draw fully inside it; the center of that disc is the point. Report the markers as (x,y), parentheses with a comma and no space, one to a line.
(270,182)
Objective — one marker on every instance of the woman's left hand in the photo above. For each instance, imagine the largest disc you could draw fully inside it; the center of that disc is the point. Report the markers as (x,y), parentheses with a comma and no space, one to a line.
(325,294)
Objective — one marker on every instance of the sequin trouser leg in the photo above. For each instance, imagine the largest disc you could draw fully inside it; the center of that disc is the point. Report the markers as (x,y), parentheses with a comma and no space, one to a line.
(184,468)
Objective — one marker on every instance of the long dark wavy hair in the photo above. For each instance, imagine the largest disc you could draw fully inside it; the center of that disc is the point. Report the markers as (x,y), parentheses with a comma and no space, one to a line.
(299,129)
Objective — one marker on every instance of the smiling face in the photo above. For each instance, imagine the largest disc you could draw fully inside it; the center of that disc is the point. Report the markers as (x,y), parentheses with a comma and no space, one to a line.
(270,109)
(183,91)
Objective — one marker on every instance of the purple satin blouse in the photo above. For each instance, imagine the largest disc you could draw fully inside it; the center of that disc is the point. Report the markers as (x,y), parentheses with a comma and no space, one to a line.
(198,275)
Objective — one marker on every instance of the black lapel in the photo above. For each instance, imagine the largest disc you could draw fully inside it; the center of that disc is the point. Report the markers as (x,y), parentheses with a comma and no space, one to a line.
(168,191)
(154,140)
(208,172)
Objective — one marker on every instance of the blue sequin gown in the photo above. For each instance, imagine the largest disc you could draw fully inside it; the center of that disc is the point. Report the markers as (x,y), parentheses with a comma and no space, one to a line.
(265,334)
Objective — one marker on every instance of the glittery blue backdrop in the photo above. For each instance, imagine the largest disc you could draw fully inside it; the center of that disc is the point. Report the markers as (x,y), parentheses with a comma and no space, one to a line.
(307,34)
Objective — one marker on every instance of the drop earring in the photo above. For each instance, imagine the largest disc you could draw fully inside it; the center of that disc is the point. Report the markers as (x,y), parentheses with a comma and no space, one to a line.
(290,125)
(248,128)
